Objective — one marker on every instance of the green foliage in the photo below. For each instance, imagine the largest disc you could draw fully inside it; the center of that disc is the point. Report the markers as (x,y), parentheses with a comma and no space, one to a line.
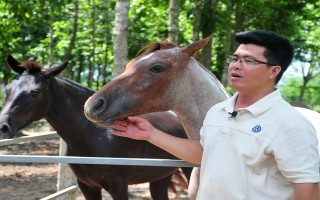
(42,31)
(291,92)
(143,27)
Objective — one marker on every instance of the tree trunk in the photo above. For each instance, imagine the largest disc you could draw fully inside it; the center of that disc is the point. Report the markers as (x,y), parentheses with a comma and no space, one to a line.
(228,46)
(69,71)
(120,34)
(173,22)
(80,68)
(239,18)
(51,46)
(105,62)
(197,20)
(207,28)
(92,53)
(67,56)
(90,74)
(307,76)
(104,72)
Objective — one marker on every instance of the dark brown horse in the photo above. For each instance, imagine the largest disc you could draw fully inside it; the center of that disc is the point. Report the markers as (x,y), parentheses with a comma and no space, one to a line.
(39,93)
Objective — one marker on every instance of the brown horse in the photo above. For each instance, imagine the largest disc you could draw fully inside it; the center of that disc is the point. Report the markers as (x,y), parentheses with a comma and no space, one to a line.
(39,93)
(164,77)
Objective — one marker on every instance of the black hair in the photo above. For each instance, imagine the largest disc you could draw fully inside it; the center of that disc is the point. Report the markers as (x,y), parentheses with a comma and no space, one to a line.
(279,50)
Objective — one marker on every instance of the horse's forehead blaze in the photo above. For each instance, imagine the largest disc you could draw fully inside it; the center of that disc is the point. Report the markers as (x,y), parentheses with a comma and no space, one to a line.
(138,62)
(29,82)
(144,58)
(13,92)
(23,86)
(135,69)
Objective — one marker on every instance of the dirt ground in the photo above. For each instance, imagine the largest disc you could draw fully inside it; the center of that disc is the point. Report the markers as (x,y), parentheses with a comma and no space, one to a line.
(33,181)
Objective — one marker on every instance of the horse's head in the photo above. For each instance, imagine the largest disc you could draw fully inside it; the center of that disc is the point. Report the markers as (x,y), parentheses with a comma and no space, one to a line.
(150,78)
(26,98)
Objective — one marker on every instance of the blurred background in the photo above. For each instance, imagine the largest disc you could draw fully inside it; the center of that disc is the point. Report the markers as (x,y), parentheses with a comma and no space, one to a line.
(98,37)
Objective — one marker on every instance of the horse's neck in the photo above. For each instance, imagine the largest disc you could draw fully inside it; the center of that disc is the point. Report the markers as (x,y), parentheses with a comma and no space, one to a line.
(200,92)
(65,113)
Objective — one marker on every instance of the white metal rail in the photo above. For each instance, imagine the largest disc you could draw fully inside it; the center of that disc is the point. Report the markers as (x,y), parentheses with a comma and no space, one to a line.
(42,136)
(95,160)
(81,160)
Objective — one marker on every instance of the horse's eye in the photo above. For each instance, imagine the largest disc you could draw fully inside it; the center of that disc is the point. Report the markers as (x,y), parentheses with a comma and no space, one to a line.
(34,92)
(157,69)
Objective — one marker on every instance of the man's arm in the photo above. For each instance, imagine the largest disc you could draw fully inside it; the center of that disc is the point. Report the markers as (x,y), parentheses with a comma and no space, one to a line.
(306,191)
(185,149)
(140,129)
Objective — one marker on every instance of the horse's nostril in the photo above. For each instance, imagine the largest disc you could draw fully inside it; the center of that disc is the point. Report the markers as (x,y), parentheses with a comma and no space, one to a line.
(99,105)
(5,128)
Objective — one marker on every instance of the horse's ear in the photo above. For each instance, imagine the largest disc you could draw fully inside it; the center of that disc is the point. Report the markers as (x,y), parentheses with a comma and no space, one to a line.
(164,44)
(193,48)
(54,71)
(15,65)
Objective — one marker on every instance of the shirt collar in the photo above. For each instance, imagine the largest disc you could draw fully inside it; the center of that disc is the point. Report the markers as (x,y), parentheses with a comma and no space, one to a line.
(228,104)
(255,109)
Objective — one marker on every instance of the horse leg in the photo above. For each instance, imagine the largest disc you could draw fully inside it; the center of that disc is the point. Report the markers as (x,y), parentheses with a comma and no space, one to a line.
(90,193)
(159,189)
(118,190)
(194,183)
(187,172)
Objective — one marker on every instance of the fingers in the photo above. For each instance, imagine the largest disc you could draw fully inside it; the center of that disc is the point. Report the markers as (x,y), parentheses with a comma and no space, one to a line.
(121,122)
(119,133)
(135,119)
(120,125)
(118,128)
(132,127)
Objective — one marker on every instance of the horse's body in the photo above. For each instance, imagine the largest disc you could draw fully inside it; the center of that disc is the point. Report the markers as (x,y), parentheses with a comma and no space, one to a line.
(163,78)
(314,118)
(37,94)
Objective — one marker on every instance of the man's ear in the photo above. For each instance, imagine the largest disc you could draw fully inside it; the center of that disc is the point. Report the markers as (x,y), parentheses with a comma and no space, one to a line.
(274,71)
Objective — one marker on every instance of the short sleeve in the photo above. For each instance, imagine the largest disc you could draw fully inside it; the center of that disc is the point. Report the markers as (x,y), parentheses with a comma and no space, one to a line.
(297,155)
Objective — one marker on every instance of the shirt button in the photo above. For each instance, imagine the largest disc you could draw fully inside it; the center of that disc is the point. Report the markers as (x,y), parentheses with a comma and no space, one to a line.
(224,131)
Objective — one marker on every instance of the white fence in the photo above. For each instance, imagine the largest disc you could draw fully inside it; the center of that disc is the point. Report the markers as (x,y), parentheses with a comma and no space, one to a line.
(65,173)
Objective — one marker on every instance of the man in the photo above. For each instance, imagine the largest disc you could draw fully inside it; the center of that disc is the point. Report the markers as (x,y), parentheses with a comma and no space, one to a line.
(254,145)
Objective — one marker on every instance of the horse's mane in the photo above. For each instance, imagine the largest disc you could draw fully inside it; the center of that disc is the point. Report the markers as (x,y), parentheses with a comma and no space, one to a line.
(164,44)
(75,84)
(31,66)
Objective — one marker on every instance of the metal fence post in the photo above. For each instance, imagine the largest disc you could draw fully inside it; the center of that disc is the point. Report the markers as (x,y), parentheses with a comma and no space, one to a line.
(66,177)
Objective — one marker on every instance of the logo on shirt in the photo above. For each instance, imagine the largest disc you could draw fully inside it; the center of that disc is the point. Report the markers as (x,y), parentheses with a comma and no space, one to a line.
(256,129)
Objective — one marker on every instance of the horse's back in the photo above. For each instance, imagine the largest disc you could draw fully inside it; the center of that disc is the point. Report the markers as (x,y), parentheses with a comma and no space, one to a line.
(313,117)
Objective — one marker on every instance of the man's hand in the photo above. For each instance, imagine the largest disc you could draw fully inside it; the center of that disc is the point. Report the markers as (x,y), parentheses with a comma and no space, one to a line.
(133,127)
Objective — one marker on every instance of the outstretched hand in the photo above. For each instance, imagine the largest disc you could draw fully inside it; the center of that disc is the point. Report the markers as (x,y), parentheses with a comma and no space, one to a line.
(133,127)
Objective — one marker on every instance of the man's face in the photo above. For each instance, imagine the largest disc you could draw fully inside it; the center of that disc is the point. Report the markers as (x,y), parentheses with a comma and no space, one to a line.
(247,73)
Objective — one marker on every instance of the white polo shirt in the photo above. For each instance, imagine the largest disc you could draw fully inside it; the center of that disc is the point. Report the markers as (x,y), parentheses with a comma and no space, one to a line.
(255,155)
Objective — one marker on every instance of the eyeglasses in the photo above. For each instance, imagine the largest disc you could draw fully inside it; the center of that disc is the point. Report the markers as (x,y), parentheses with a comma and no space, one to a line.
(232,59)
